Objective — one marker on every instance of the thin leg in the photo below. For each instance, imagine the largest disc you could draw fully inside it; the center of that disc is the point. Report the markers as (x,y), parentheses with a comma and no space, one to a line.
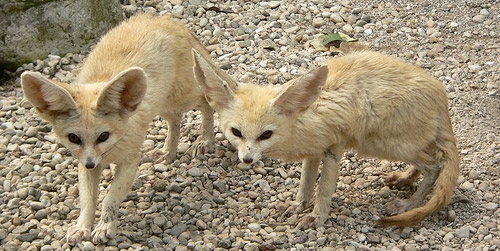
(398,179)
(88,189)
(399,206)
(124,177)
(169,151)
(326,187)
(206,142)
(310,168)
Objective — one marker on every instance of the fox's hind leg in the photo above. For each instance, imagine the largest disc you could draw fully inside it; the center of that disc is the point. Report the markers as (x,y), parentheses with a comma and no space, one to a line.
(206,142)
(398,179)
(428,167)
(88,188)
(169,151)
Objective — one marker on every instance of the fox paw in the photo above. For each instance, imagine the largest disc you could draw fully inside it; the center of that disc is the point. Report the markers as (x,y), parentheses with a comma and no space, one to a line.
(396,179)
(159,156)
(103,232)
(310,221)
(293,207)
(77,234)
(201,147)
(397,206)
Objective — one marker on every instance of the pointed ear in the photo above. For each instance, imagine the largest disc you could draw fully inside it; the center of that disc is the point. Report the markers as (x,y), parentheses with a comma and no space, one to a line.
(124,93)
(298,95)
(48,98)
(219,90)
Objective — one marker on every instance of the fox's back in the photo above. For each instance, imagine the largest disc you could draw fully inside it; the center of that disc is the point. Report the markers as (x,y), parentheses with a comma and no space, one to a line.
(380,74)
(140,41)
(161,46)
(379,97)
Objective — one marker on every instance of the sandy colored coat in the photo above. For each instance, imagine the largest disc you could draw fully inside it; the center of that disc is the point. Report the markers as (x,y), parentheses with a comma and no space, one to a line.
(140,69)
(367,101)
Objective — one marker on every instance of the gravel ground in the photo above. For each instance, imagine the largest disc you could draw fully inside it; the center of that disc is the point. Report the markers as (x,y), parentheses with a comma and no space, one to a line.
(209,203)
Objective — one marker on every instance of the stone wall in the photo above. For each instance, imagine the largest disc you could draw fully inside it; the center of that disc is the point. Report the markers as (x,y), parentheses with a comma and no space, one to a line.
(33,29)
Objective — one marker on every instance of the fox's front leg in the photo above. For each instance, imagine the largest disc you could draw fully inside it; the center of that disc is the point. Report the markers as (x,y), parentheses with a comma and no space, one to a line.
(120,186)
(88,189)
(206,142)
(326,186)
(306,188)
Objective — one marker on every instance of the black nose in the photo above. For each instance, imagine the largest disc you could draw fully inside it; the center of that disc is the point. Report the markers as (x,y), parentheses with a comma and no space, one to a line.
(90,165)
(247,160)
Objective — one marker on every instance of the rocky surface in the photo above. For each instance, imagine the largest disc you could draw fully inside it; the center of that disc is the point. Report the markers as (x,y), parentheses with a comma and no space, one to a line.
(209,203)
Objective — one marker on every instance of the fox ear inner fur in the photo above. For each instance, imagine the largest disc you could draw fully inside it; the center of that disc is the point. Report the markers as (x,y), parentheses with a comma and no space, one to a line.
(124,93)
(48,98)
(218,92)
(298,95)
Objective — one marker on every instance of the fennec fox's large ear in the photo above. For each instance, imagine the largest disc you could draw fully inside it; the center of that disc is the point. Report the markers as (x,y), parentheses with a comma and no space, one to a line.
(219,92)
(298,95)
(48,98)
(124,93)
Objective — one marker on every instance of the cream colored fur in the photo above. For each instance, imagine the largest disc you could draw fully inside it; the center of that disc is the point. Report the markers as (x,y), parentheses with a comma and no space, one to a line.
(140,69)
(370,102)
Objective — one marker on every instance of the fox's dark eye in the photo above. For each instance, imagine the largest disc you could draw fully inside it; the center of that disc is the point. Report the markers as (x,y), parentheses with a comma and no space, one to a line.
(103,137)
(74,139)
(265,135)
(236,132)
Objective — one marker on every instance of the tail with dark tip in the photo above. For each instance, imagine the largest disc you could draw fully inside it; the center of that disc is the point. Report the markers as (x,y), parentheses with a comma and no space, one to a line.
(443,187)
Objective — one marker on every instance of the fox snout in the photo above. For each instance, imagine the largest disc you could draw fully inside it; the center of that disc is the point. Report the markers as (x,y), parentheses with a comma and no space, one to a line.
(248,155)
(90,164)
(89,158)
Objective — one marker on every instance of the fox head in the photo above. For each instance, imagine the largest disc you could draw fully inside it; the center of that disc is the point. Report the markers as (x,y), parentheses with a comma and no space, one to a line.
(87,118)
(256,118)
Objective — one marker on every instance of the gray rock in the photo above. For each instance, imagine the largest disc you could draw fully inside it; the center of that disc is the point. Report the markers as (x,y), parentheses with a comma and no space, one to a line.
(243,44)
(195,172)
(335,17)
(274,4)
(475,67)
(203,21)
(492,206)
(178,11)
(220,185)
(484,12)
(372,238)
(347,28)
(31,131)
(448,236)
(41,214)
(356,10)
(37,205)
(268,44)
(318,22)
(478,18)
(28,236)
(178,229)
(225,243)
(254,227)
(88,246)
(463,232)
(264,185)
(33,30)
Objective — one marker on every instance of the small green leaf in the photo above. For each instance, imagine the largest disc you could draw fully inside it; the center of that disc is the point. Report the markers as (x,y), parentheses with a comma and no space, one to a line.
(334,39)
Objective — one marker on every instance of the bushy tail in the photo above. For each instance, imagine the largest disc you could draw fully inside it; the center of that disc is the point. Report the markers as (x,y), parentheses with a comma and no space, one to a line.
(443,188)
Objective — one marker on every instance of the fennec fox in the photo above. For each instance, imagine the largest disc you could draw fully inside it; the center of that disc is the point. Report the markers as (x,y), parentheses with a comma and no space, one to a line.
(140,69)
(366,101)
